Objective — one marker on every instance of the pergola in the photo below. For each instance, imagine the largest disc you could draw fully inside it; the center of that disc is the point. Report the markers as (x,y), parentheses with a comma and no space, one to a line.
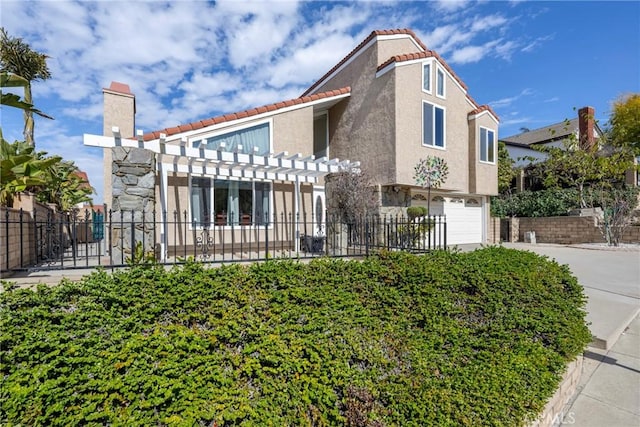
(175,155)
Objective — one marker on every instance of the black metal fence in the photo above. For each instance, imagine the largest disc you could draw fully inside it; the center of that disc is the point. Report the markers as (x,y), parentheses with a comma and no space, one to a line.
(34,241)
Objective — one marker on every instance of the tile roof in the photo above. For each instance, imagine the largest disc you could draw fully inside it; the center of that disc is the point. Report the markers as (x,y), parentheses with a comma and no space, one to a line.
(427,53)
(361,45)
(421,55)
(246,113)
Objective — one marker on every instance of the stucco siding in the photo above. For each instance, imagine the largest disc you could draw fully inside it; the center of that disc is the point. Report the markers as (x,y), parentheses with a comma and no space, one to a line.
(395,46)
(363,128)
(409,134)
(293,131)
(484,176)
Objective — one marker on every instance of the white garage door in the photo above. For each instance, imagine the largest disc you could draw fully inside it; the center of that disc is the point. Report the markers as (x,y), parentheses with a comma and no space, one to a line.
(464,220)
(464,217)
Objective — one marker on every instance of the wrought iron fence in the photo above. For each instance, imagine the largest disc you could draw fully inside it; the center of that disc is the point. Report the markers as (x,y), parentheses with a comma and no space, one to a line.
(35,241)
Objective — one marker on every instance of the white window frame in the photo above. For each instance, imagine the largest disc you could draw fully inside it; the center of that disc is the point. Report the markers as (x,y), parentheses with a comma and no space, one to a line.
(212,203)
(441,72)
(444,126)
(482,151)
(196,142)
(429,89)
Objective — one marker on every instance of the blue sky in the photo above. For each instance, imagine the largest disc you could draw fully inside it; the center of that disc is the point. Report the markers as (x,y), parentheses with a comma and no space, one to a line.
(533,62)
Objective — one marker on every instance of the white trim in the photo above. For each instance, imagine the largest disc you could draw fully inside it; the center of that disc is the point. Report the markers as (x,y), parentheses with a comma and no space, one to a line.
(212,189)
(268,114)
(234,164)
(480,146)
(444,126)
(482,113)
(247,125)
(439,70)
(430,64)
(356,54)
(399,36)
(394,64)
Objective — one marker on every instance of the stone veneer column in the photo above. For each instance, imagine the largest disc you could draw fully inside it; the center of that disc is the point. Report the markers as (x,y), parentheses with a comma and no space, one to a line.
(133,191)
(130,178)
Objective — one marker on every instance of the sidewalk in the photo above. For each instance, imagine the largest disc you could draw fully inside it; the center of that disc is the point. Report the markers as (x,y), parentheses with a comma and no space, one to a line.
(609,390)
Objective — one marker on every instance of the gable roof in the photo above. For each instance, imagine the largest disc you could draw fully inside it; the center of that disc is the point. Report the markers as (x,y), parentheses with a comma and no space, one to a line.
(362,44)
(424,53)
(554,132)
(246,113)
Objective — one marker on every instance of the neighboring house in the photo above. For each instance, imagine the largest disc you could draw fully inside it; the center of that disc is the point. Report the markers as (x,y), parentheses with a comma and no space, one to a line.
(388,103)
(521,147)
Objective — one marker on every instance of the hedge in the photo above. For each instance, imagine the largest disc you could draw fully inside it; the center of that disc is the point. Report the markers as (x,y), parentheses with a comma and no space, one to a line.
(445,339)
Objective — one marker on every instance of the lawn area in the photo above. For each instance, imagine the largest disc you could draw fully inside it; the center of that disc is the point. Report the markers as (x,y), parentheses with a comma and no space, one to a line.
(477,338)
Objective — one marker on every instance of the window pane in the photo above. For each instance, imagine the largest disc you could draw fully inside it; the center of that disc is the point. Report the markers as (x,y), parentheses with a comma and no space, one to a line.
(245,204)
(483,144)
(490,146)
(220,200)
(262,197)
(256,136)
(439,127)
(200,201)
(440,83)
(426,77)
(427,123)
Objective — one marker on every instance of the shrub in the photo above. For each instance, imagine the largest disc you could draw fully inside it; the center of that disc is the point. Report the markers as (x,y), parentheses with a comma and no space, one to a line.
(477,338)
(414,212)
(551,202)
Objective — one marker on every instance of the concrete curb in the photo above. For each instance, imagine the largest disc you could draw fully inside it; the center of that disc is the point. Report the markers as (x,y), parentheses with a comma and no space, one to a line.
(607,342)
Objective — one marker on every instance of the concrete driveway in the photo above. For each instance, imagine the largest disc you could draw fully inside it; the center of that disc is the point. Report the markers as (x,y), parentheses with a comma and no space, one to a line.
(611,280)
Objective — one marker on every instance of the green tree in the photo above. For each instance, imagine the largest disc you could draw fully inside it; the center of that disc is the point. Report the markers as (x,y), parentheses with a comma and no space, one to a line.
(21,169)
(575,167)
(64,186)
(506,171)
(624,122)
(18,58)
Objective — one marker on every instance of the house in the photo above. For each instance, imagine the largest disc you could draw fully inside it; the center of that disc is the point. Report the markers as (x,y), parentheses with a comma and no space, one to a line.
(388,103)
(522,147)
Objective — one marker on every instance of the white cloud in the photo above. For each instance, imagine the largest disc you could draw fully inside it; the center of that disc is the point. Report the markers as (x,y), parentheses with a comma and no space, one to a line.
(450,5)
(506,102)
(190,60)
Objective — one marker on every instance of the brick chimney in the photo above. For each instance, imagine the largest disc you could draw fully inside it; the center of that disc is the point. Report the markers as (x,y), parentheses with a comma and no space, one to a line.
(586,125)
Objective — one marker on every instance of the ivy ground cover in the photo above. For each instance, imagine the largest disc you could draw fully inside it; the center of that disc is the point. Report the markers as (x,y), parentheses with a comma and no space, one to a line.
(477,338)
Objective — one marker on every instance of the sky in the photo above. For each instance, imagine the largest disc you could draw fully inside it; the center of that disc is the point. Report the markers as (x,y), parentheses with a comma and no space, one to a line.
(534,62)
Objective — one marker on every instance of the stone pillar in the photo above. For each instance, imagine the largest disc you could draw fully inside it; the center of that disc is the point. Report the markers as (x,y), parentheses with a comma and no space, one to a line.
(130,178)
(133,191)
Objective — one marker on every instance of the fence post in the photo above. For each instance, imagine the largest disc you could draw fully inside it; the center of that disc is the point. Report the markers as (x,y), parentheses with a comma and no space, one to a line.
(366,237)
(21,239)
(6,229)
(266,236)
(35,236)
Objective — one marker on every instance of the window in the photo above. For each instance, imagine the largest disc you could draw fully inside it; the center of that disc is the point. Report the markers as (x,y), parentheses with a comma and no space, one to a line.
(225,202)
(426,77)
(440,83)
(433,118)
(487,145)
(249,138)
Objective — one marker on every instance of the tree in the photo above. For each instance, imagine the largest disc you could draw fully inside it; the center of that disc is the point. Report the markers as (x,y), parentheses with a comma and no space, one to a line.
(21,169)
(18,58)
(351,194)
(430,172)
(579,167)
(506,171)
(624,122)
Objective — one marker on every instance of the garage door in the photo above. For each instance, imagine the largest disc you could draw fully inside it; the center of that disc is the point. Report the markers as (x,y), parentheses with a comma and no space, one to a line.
(464,220)
(464,217)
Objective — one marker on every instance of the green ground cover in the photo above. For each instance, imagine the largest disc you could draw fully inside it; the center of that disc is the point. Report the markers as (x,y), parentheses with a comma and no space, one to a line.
(478,338)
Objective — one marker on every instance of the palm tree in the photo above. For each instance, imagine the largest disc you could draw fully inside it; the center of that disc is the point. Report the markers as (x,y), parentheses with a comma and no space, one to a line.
(18,58)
